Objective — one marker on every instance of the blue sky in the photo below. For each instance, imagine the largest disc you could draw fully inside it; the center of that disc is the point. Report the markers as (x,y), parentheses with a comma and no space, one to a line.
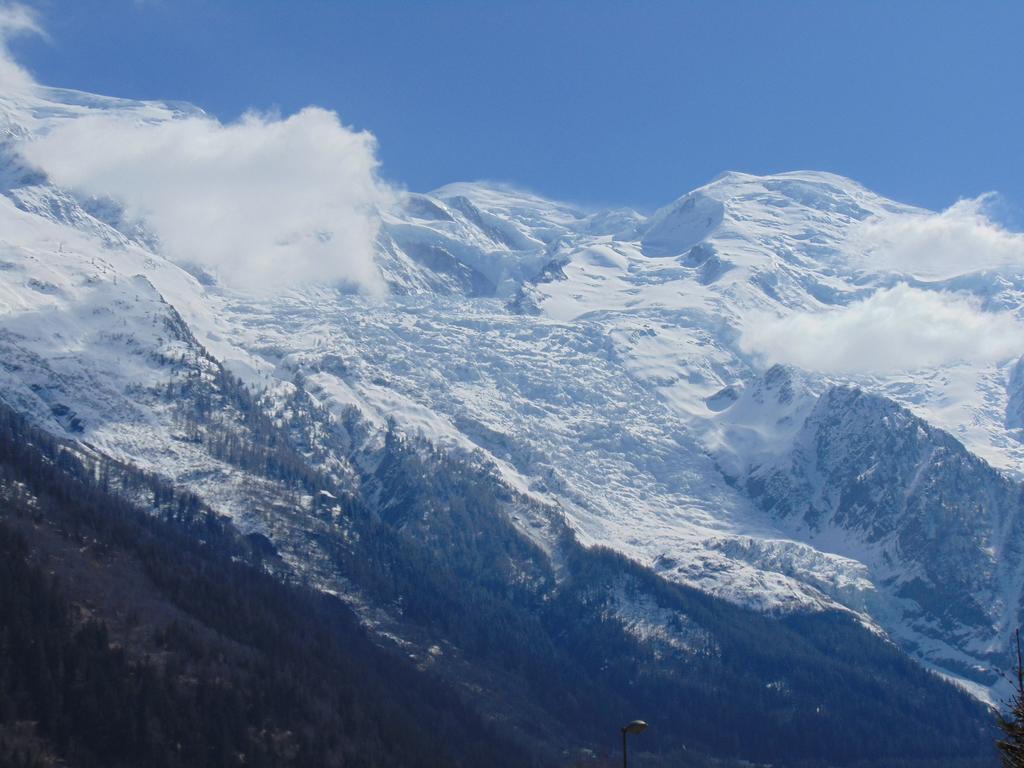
(599,102)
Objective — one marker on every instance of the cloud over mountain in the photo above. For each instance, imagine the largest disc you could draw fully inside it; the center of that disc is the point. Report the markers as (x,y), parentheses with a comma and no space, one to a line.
(896,329)
(263,202)
(15,19)
(936,246)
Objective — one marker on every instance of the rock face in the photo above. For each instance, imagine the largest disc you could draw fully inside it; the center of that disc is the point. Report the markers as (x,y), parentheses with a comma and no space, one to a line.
(939,528)
(594,365)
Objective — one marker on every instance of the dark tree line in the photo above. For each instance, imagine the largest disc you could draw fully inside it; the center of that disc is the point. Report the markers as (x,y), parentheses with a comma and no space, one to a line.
(431,540)
(1011,746)
(260,674)
(439,543)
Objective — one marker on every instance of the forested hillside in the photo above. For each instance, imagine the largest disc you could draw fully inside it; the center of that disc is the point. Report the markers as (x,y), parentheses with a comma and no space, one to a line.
(133,640)
(160,638)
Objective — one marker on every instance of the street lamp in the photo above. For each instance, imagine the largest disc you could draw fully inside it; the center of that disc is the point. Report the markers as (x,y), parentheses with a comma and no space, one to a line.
(637,726)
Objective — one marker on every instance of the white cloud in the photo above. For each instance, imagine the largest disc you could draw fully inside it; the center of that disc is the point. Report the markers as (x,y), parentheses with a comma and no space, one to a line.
(897,329)
(15,19)
(938,246)
(263,202)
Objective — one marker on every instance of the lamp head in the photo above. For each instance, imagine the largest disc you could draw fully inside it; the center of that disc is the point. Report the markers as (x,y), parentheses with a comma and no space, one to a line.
(637,726)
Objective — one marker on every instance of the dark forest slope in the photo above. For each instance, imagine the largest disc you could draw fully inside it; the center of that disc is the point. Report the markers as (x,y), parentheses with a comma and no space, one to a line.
(131,640)
(159,638)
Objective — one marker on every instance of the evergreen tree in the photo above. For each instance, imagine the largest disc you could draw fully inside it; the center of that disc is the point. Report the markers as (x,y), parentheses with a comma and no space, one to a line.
(1012,744)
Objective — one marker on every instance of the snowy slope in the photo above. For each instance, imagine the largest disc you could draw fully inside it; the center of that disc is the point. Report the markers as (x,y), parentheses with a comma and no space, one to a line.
(597,359)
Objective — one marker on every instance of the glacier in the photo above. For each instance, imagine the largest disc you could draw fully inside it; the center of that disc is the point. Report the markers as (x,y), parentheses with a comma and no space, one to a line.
(597,360)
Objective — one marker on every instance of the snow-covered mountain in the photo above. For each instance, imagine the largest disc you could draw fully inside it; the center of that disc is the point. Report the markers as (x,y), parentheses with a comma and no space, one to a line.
(611,370)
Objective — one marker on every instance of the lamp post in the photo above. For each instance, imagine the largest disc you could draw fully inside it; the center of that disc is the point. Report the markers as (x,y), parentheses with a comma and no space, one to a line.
(637,726)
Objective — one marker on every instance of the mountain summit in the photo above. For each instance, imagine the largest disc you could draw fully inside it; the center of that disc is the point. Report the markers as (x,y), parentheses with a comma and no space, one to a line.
(689,389)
